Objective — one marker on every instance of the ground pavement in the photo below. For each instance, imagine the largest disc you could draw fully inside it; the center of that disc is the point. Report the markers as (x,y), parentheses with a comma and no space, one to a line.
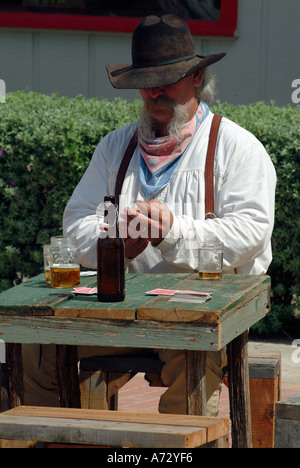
(137,396)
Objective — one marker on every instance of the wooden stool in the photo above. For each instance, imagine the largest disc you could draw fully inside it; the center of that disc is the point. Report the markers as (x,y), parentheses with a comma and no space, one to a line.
(287,423)
(265,387)
(110,428)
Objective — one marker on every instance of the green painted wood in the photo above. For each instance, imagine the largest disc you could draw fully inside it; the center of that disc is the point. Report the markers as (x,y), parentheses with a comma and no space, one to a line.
(228,294)
(37,298)
(233,325)
(134,334)
(26,313)
(136,286)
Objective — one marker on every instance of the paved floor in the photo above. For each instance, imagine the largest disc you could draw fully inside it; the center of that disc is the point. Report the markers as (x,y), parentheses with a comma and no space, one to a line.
(138,396)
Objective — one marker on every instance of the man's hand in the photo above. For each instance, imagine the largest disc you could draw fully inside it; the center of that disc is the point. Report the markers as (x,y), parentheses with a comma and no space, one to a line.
(150,222)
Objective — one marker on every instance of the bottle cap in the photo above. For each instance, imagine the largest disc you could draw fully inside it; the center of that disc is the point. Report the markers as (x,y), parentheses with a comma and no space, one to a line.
(110,198)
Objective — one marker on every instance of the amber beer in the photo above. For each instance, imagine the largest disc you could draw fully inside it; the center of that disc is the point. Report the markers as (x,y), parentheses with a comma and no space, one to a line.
(207,275)
(65,277)
(47,275)
(46,251)
(64,262)
(210,260)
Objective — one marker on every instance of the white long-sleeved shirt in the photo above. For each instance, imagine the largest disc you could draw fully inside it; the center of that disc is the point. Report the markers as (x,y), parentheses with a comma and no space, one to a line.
(244,191)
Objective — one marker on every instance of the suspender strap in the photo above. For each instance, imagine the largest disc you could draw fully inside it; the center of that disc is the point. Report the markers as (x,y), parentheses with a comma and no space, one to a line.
(209,167)
(124,166)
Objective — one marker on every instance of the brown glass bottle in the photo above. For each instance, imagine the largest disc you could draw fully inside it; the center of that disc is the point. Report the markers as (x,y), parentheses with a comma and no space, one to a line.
(110,258)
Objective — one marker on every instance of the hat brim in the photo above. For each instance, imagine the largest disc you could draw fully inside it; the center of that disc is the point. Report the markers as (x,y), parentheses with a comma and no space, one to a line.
(130,77)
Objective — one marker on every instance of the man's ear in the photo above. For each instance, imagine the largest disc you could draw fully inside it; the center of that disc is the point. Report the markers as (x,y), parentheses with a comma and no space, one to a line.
(198,78)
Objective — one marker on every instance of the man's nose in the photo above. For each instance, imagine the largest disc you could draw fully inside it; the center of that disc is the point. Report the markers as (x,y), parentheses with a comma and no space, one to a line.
(155,92)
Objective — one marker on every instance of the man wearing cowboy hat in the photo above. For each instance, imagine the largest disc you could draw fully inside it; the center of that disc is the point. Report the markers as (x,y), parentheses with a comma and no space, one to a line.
(163,190)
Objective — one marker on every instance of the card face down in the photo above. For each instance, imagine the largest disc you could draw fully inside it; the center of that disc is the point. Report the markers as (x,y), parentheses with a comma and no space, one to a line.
(181,296)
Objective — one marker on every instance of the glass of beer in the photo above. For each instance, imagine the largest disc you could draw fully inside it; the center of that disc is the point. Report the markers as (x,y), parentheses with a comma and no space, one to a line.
(64,262)
(211,260)
(46,251)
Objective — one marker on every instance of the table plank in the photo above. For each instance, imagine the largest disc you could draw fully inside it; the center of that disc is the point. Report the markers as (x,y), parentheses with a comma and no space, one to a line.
(32,298)
(89,307)
(116,333)
(36,298)
(228,294)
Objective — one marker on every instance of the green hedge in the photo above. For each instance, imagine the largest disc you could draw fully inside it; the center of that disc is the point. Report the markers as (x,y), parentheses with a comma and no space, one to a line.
(46,143)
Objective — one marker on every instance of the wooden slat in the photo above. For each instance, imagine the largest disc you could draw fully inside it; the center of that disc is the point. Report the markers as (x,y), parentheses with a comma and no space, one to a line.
(264,394)
(89,307)
(287,423)
(289,408)
(89,312)
(93,332)
(100,433)
(65,425)
(263,367)
(243,318)
(34,298)
(215,427)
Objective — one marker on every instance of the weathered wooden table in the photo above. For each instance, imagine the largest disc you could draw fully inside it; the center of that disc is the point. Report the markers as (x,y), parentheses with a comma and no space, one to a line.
(34,313)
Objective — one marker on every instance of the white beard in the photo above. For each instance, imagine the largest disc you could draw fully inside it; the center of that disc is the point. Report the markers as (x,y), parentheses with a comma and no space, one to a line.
(147,123)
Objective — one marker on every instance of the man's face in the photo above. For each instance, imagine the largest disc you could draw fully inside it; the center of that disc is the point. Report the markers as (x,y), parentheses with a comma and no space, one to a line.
(159,102)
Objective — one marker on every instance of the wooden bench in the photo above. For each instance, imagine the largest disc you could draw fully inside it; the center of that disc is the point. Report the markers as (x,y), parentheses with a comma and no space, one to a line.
(110,428)
(102,377)
(287,423)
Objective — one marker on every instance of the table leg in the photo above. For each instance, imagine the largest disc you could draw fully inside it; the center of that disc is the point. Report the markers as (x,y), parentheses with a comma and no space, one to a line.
(196,382)
(67,376)
(239,392)
(11,378)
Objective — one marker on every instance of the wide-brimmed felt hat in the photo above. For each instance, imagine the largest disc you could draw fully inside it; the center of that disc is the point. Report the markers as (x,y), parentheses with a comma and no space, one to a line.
(163,52)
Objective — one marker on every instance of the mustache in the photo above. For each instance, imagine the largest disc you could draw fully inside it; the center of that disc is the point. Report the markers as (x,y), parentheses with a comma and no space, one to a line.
(160,101)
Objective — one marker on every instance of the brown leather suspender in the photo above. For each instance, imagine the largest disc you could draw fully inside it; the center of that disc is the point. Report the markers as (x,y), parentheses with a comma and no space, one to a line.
(209,167)
(124,166)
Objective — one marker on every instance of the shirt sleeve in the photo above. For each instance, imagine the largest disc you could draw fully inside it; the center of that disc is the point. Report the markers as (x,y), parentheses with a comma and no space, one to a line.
(244,205)
(79,217)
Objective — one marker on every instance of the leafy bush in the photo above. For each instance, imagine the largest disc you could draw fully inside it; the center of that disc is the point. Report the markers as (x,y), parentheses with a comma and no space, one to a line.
(46,143)
(278,129)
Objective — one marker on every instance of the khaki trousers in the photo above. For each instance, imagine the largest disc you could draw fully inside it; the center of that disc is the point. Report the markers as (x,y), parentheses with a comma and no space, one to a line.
(41,385)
